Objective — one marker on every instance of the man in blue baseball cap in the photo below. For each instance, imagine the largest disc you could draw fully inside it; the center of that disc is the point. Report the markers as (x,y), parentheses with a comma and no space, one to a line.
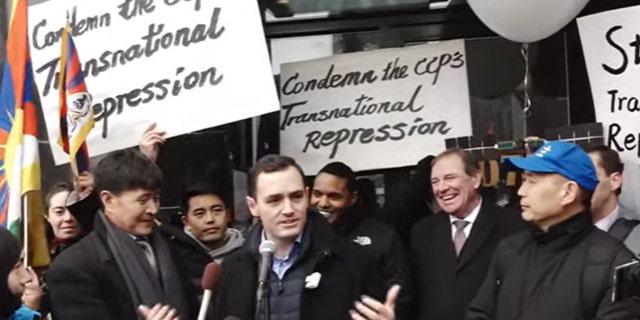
(560,269)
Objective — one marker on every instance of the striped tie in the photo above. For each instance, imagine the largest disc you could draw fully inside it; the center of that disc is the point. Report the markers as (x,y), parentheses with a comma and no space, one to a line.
(460,237)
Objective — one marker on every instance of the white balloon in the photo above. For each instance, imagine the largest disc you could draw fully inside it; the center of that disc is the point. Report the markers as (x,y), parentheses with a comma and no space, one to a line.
(526,20)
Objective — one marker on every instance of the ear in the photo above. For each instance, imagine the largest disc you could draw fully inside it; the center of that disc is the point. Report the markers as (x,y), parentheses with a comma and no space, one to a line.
(253,207)
(108,200)
(570,193)
(184,220)
(476,178)
(353,198)
(616,181)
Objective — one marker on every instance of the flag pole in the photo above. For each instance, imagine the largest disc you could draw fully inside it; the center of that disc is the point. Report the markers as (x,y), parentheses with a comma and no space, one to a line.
(25,232)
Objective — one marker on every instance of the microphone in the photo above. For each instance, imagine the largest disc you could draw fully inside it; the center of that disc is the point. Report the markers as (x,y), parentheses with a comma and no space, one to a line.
(267,249)
(210,279)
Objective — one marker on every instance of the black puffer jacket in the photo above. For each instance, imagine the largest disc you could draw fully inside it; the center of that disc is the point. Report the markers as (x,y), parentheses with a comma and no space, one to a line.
(382,245)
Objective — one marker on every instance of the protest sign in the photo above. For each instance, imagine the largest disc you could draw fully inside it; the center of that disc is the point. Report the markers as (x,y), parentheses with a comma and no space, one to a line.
(611,44)
(375,109)
(185,64)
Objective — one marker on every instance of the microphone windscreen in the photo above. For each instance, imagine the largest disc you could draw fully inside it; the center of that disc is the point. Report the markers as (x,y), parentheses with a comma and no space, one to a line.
(267,246)
(211,276)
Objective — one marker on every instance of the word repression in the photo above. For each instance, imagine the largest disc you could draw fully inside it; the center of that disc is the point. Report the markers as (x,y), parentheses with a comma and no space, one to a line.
(334,138)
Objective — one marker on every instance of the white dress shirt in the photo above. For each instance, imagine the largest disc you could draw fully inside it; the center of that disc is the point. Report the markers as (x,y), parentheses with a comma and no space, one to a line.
(471,218)
(606,223)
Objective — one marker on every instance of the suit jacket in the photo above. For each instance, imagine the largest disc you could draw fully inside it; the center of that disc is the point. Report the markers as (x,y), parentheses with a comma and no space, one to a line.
(445,283)
(85,282)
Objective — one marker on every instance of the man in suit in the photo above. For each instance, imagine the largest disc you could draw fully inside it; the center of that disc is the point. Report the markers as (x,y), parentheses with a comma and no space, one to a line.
(315,274)
(123,269)
(452,249)
(606,211)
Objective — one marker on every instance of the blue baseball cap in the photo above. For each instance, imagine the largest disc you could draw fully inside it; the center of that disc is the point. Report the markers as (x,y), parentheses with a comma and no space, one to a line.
(563,158)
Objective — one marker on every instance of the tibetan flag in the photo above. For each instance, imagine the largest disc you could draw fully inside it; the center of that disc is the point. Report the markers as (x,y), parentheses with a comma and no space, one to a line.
(76,116)
(19,158)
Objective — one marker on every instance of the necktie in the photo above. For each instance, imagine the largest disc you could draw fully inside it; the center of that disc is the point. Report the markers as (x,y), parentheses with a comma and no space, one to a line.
(460,237)
(148,252)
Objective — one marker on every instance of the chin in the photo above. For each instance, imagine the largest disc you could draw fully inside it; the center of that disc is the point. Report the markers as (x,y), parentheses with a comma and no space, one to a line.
(527,216)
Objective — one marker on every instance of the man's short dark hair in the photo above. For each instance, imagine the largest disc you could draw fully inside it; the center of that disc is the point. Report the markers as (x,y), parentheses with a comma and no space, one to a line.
(609,160)
(469,161)
(268,164)
(343,171)
(125,170)
(203,188)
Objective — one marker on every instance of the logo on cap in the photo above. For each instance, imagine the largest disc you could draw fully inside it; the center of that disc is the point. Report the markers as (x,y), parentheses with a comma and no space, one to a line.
(543,151)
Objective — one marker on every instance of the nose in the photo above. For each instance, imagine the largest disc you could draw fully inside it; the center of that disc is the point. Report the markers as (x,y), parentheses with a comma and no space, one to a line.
(324,203)
(209,218)
(440,187)
(521,191)
(67,217)
(288,206)
(154,207)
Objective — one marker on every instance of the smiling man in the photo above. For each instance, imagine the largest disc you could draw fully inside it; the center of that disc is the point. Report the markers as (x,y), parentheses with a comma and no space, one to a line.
(315,273)
(452,249)
(335,196)
(124,263)
(562,268)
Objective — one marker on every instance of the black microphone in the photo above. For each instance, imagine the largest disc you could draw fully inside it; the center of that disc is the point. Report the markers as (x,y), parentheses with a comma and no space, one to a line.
(267,249)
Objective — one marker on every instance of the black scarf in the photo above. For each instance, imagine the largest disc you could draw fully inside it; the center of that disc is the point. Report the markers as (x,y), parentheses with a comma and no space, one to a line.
(144,287)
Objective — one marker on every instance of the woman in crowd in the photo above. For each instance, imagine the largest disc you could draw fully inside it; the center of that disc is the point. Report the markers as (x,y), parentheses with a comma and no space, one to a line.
(64,226)
(70,210)
(20,291)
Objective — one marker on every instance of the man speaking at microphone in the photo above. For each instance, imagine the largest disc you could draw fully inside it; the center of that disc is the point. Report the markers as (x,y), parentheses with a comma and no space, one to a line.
(314,273)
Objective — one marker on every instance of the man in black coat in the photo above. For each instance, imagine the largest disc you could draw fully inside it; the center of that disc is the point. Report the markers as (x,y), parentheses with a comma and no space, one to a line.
(562,268)
(123,269)
(334,194)
(315,274)
(452,249)
(205,237)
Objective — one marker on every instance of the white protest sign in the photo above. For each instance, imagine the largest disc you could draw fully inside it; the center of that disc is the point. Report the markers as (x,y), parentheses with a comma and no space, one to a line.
(376,109)
(185,64)
(611,47)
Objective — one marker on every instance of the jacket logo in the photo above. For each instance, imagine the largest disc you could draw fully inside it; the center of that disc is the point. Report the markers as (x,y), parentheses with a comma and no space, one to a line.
(312,281)
(362,240)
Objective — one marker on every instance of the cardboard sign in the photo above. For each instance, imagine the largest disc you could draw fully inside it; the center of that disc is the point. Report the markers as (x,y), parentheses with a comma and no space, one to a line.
(611,45)
(375,109)
(187,65)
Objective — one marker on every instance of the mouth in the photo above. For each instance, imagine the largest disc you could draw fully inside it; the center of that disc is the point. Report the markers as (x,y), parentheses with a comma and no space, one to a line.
(289,222)
(68,228)
(211,230)
(325,214)
(448,198)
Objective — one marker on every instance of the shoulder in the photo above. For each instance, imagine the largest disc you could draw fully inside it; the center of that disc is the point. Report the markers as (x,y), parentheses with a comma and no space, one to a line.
(431,222)
(374,228)
(514,243)
(425,227)
(508,218)
(81,258)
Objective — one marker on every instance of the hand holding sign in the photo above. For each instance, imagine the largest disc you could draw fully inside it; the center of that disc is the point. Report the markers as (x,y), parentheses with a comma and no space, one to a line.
(151,140)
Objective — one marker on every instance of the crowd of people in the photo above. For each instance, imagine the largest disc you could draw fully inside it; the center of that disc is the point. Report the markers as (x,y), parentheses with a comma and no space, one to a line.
(452,255)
